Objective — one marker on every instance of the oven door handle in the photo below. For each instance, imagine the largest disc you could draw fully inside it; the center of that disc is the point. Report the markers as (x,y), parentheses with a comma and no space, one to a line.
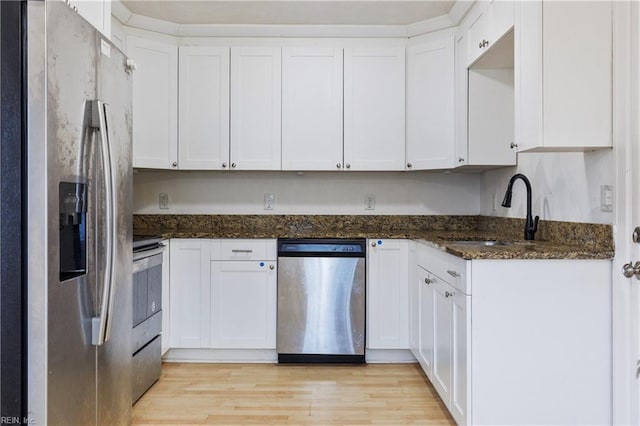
(148,261)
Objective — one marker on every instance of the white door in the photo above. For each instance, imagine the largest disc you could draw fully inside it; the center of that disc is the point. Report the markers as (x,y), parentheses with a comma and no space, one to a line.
(155,103)
(243,304)
(374,108)
(442,330)
(190,293)
(626,291)
(311,108)
(461,360)
(387,294)
(204,108)
(255,108)
(430,105)
(426,288)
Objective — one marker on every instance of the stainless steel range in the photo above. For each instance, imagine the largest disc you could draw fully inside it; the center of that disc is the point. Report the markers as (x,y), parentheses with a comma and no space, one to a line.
(147,313)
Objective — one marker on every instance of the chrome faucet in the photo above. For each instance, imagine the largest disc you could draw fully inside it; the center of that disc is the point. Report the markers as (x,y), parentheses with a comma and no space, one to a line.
(531,225)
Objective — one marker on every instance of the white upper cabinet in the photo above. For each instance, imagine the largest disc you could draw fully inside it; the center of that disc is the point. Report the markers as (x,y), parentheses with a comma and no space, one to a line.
(485,88)
(255,108)
(487,23)
(374,106)
(430,105)
(311,108)
(564,75)
(155,91)
(204,108)
(97,12)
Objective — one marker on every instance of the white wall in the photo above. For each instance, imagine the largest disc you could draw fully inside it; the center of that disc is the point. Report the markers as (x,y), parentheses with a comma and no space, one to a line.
(310,193)
(565,186)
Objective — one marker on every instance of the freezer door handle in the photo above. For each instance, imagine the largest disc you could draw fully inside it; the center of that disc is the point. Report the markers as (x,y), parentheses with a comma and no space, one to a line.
(101,325)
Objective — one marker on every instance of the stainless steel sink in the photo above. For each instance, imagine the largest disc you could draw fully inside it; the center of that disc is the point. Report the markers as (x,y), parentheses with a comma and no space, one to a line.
(485,243)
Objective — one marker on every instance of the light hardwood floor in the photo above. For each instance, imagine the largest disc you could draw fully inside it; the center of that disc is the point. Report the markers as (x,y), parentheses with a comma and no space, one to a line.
(269,394)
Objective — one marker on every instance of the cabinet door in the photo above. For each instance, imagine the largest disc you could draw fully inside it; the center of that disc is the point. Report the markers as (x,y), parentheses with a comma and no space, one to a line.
(97,12)
(311,108)
(387,294)
(442,319)
(577,97)
(461,92)
(430,105)
(501,12)
(414,301)
(461,359)
(426,297)
(243,304)
(204,108)
(255,108)
(477,25)
(374,109)
(190,294)
(155,103)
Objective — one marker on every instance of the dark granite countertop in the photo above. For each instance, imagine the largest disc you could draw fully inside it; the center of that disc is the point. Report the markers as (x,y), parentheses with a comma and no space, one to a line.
(556,240)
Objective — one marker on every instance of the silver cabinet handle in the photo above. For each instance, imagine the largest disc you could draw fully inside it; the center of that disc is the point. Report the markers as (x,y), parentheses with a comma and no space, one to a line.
(224,165)
(373,244)
(233,165)
(409,165)
(454,274)
(338,165)
(348,165)
(241,251)
(513,145)
(629,270)
(101,325)
(448,294)
(174,164)
(427,281)
(272,267)
(460,160)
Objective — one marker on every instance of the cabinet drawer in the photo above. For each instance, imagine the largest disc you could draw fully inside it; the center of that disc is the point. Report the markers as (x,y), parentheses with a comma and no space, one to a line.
(244,250)
(445,266)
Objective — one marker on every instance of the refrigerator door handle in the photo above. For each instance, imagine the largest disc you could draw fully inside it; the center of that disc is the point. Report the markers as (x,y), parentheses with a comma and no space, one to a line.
(101,325)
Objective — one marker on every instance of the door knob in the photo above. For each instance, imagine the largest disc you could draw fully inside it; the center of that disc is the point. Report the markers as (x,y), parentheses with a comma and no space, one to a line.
(629,270)
(174,164)
(373,244)
(233,165)
(348,166)
(224,165)
(338,165)
(636,235)
(409,165)
(271,267)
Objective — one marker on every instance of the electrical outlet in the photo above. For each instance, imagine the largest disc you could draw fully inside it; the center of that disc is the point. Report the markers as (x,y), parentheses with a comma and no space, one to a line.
(606,198)
(269,201)
(369,202)
(163,200)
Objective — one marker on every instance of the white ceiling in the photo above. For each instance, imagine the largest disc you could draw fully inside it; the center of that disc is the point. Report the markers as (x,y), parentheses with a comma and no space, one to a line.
(291,12)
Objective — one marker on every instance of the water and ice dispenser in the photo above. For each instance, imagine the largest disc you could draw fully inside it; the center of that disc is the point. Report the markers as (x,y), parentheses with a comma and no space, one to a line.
(73,229)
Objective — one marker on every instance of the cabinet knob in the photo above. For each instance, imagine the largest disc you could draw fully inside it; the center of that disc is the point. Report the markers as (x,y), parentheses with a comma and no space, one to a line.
(513,145)
(427,281)
(373,244)
(448,294)
(460,160)
(272,267)
(348,166)
(174,164)
(409,165)
(338,165)
(224,165)
(233,165)
(483,44)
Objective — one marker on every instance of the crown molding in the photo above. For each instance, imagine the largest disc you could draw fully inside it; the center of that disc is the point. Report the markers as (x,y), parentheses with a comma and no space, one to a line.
(127,18)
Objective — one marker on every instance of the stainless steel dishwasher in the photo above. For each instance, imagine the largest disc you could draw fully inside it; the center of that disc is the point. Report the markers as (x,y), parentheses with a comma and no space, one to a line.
(321,300)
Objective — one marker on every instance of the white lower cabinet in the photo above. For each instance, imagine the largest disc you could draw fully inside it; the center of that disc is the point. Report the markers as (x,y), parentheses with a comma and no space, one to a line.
(516,341)
(243,304)
(222,296)
(190,306)
(387,294)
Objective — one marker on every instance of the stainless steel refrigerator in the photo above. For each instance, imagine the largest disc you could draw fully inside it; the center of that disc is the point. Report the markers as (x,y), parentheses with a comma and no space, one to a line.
(79,221)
